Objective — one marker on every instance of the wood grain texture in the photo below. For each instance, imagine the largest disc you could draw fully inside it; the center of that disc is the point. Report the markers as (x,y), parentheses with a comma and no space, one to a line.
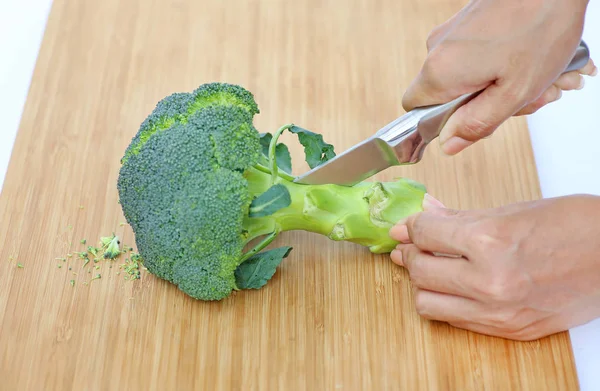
(334,317)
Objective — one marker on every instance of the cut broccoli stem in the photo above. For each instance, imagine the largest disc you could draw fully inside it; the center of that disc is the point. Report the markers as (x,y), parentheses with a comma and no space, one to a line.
(272,146)
(361,214)
(281,174)
(264,243)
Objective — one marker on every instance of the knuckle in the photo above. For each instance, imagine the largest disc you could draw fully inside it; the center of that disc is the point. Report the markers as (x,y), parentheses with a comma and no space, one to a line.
(498,288)
(477,128)
(433,37)
(416,273)
(506,287)
(421,305)
(516,93)
(434,68)
(414,225)
(408,255)
(486,236)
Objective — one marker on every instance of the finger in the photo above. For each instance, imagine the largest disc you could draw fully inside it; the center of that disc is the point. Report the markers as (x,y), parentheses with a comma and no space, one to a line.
(479,118)
(446,308)
(439,231)
(552,94)
(589,69)
(570,81)
(436,273)
(399,232)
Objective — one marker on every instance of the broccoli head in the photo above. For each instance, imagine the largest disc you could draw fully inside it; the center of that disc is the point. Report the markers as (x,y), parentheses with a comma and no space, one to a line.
(206,193)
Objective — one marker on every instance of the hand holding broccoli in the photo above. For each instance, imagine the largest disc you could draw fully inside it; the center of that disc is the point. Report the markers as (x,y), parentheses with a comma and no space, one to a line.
(527,270)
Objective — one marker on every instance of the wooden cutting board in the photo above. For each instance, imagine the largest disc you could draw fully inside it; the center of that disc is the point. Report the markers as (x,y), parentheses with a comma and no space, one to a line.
(334,317)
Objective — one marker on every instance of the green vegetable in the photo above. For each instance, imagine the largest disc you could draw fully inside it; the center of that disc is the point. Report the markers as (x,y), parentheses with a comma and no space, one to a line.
(255,272)
(110,246)
(82,241)
(93,250)
(132,266)
(205,193)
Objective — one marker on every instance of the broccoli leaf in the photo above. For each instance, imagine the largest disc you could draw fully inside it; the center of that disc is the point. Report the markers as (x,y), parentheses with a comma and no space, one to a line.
(275,198)
(316,150)
(258,269)
(282,153)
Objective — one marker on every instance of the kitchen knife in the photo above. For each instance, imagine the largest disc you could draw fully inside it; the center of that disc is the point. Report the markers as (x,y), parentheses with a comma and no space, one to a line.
(400,142)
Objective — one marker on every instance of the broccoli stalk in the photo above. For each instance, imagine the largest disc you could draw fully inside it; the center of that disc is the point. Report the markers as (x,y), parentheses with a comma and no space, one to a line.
(198,185)
(361,214)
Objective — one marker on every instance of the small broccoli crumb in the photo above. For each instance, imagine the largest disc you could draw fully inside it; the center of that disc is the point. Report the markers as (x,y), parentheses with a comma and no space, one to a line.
(72,282)
(97,267)
(93,250)
(87,260)
(110,246)
(81,207)
(70,226)
(60,259)
(83,241)
(132,266)
(70,268)
(69,255)
(122,224)
(19,265)
(82,255)
(96,277)
(59,265)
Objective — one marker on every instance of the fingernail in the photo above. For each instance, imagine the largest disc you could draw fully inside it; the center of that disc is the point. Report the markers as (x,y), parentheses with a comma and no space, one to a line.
(455,145)
(580,86)
(399,232)
(396,257)
(431,203)
(594,72)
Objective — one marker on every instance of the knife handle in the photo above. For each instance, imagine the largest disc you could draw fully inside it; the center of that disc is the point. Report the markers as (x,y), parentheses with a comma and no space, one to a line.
(410,134)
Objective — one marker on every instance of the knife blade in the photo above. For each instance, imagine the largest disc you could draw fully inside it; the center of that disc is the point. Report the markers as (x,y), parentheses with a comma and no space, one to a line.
(400,142)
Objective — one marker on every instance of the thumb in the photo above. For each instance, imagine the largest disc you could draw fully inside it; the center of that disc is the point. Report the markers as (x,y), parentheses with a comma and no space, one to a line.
(479,118)
(439,231)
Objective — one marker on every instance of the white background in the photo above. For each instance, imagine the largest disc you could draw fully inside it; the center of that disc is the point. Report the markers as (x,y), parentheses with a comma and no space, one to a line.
(569,129)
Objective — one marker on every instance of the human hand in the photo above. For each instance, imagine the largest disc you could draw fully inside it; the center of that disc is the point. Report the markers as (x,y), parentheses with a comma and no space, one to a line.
(527,270)
(514,50)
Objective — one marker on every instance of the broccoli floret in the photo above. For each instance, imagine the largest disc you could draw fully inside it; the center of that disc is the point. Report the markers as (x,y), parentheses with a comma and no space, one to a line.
(110,246)
(198,188)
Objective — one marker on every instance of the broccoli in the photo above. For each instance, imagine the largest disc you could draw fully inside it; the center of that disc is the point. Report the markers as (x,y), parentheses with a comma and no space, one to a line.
(205,193)
(110,245)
